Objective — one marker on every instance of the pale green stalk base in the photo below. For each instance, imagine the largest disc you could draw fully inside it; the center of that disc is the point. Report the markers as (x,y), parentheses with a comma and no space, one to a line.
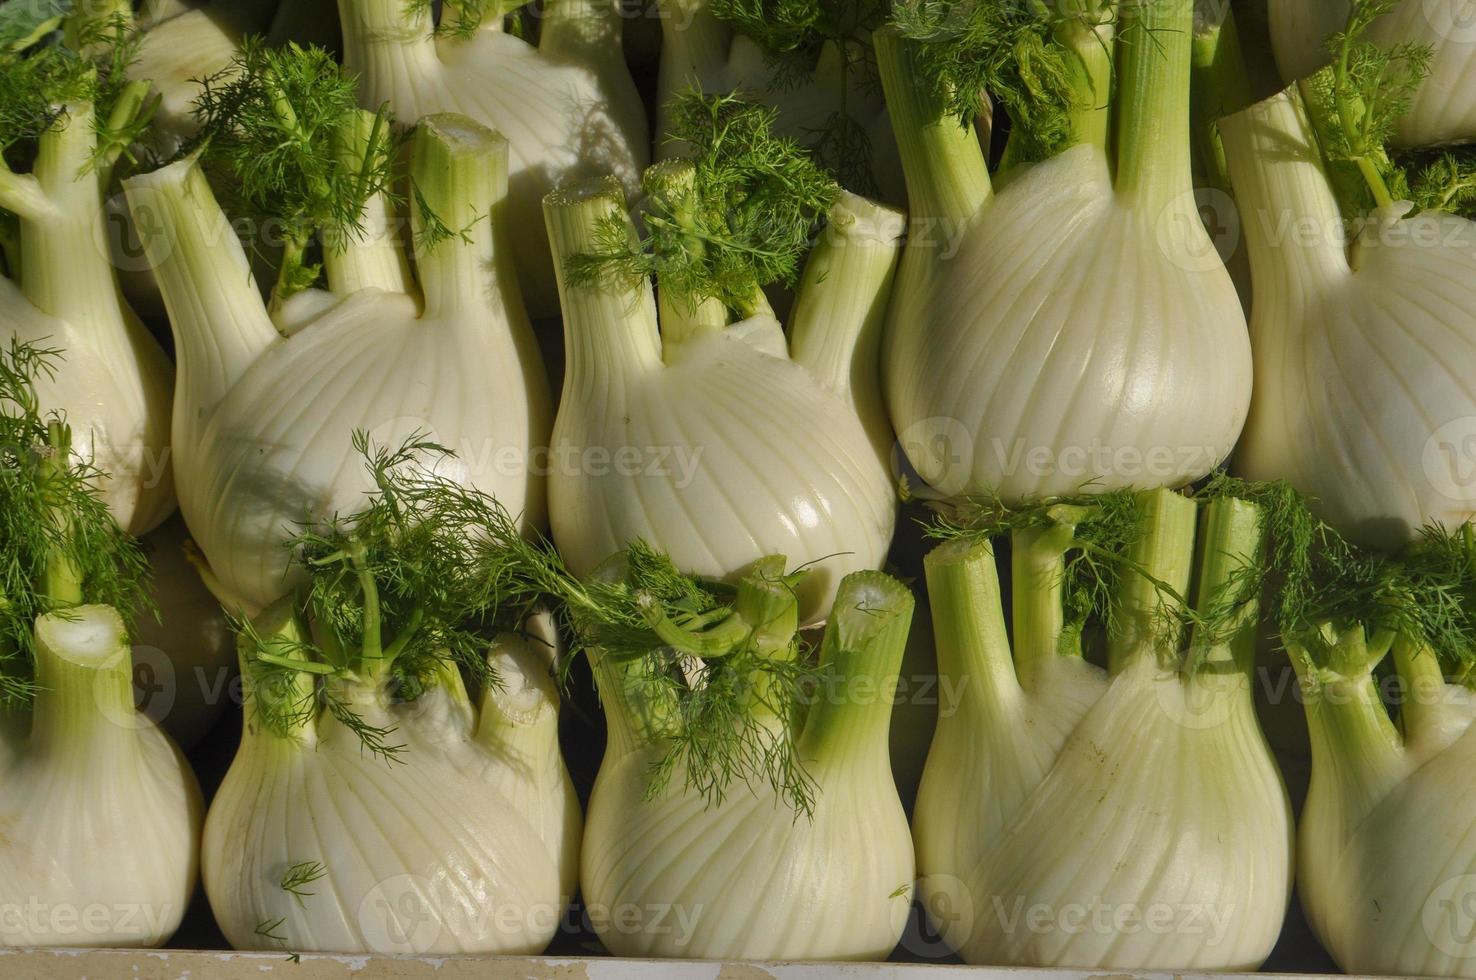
(610,329)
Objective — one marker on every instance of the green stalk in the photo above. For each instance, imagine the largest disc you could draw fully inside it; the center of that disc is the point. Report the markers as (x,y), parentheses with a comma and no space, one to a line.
(859,660)
(220,323)
(459,171)
(766,602)
(67,271)
(637,712)
(1230,545)
(272,711)
(372,659)
(944,166)
(84,678)
(1354,743)
(610,329)
(1156,39)
(1355,181)
(841,307)
(584,32)
(386,43)
(1221,88)
(376,257)
(682,317)
(136,99)
(62,581)
(1161,561)
(1037,599)
(969,630)
(695,47)
(1091,116)
(1422,708)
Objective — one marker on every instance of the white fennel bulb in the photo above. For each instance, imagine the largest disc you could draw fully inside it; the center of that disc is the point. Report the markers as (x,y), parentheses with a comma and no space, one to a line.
(184,659)
(1385,866)
(101,813)
(835,107)
(262,422)
(1444,109)
(568,106)
(469,846)
(177,50)
(373,805)
(745,876)
(114,383)
(1074,325)
(1361,398)
(1127,818)
(721,443)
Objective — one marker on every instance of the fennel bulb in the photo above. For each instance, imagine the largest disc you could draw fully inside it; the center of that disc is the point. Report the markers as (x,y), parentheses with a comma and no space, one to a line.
(99,813)
(1360,339)
(568,107)
(822,85)
(115,384)
(1071,816)
(1069,327)
(744,876)
(372,805)
(1444,110)
(175,54)
(262,422)
(1384,850)
(715,442)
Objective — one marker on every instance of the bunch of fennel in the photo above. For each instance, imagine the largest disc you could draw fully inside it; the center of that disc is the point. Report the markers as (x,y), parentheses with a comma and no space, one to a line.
(1128,817)
(1364,313)
(743,779)
(71,110)
(695,424)
(372,805)
(101,814)
(568,106)
(1068,321)
(265,410)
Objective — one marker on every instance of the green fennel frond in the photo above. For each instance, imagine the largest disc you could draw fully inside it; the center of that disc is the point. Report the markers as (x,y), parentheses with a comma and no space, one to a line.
(793,35)
(1356,102)
(396,595)
(463,18)
(41,70)
(272,125)
(1102,526)
(296,879)
(974,54)
(59,545)
(712,678)
(737,214)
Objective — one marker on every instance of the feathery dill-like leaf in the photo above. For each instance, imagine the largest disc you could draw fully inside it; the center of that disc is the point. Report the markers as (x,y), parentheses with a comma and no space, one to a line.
(1104,526)
(463,18)
(679,641)
(744,220)
(40,72)
(793,35)
(55,530)
(271,124)
(296,879)
(973,54)
(1356,103)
